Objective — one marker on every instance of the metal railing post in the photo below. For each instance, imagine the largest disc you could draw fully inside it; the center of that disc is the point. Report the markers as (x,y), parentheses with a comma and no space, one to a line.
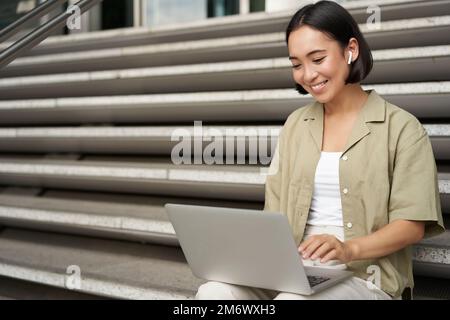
(36,13)
(33,38)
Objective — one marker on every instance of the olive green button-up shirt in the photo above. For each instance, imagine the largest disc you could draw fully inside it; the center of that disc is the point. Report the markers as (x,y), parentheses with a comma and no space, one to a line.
(387,171)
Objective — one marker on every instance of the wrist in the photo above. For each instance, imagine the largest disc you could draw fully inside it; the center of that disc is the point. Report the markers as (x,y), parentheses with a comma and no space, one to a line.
(354,249)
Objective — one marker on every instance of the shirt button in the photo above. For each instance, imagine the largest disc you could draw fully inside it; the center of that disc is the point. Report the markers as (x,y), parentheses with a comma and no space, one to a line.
(349,225)
(345,158)
(345,190)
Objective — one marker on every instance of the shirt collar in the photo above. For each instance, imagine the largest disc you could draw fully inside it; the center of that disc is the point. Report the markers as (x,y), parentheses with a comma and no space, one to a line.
(374,110)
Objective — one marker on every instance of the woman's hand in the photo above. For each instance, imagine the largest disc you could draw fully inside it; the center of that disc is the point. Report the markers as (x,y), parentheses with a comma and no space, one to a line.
(326,247)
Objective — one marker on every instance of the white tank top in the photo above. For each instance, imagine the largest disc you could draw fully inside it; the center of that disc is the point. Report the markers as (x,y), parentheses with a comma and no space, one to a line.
(326,207)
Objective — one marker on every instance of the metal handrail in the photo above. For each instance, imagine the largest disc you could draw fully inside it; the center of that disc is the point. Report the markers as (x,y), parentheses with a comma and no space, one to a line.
(35,37)
(36,13)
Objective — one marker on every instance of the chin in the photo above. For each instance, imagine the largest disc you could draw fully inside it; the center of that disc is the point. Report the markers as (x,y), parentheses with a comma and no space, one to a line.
(324,98)
(321,99)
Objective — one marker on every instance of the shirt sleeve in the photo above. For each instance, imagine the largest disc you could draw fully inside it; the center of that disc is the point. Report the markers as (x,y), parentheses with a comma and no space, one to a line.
(273,180)
(415,186)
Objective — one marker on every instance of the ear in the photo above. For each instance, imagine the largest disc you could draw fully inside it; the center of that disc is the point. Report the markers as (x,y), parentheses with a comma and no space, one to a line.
(352,47)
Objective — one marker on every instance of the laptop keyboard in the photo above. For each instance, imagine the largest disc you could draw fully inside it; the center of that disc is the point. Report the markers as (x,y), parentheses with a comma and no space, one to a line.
(315,280)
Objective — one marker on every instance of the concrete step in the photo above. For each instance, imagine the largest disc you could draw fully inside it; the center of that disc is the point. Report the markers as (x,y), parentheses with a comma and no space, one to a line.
(123,217)
(147,222)
(427,288)
(161,140)
(144,175)
(157,140)
(423,99)
(390,66)
(151,176)
(255,23)
(115,269)
(440,140)
(428,31)
(432,257)
(14,289)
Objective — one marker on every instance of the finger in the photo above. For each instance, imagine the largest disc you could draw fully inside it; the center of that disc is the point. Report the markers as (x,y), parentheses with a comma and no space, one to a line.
(306,243)
(329,256)
(310,240)
(312,247)
(322,250)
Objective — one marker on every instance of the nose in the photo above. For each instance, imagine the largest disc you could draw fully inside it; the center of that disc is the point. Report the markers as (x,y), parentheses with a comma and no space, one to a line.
(309,74)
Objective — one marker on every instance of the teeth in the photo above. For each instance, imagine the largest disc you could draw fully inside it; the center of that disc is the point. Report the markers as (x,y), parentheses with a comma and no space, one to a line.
(320,84)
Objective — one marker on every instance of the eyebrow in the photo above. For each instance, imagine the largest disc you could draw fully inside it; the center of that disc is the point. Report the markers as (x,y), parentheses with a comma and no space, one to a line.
(310,53)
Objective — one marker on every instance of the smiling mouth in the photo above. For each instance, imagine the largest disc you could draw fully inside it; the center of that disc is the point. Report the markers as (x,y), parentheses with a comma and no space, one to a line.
(319,85)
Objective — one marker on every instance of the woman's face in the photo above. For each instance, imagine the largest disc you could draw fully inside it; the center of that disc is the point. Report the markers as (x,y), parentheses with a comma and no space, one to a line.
(316,59)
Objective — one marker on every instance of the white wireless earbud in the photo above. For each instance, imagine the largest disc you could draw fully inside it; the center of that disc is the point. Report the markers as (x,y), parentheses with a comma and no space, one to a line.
(349,58)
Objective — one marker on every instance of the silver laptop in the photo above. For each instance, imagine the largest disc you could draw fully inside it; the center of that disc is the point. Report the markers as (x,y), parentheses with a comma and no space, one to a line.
(246,247)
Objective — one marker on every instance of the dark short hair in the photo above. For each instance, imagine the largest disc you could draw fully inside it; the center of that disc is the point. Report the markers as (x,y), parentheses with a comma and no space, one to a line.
(334,20)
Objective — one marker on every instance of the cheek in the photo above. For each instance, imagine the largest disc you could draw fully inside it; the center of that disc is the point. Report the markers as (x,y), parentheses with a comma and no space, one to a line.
(334,70)
(328,69)
(325,69)
(297,75)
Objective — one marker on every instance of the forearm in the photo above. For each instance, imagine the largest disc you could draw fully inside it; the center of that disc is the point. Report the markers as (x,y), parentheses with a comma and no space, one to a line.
(389,239)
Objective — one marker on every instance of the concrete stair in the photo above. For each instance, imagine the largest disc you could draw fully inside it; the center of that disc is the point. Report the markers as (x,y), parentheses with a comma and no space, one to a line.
(85,142)
(15,289)
(393,34)
(218,106)
(391,65)
(256,23)
(109,268)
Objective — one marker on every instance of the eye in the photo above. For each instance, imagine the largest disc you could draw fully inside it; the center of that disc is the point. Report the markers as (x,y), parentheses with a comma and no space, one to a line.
(319,60)
(296,66)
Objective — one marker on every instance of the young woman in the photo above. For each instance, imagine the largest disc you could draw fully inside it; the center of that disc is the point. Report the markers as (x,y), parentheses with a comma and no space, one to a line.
(354,174)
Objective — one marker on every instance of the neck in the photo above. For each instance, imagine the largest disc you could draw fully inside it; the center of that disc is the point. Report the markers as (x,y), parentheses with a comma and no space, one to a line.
(350,100)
